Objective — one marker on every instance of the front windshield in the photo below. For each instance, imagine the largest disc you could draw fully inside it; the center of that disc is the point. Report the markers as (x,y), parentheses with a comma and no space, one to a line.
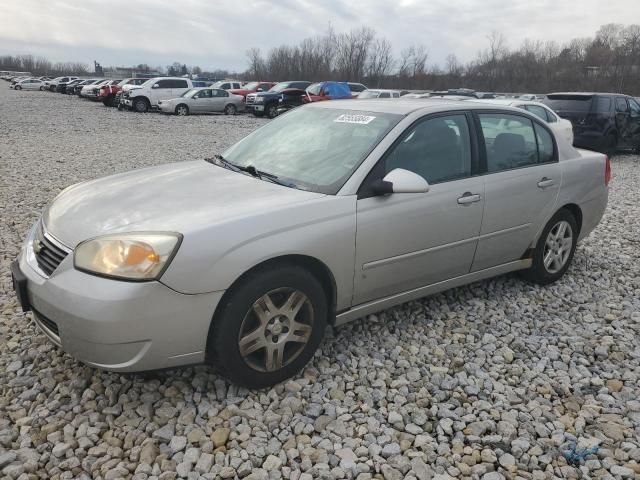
(278,87)
(368,94)
(189,93)
(251,86)
(316,149)
(148,83)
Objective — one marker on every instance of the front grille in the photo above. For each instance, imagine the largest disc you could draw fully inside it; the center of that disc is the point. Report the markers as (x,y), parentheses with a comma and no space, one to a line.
(48,255)
(47,323)
(250,99)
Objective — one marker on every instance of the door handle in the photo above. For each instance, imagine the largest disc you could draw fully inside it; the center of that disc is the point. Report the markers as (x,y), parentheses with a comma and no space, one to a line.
(468,198)
(546,182)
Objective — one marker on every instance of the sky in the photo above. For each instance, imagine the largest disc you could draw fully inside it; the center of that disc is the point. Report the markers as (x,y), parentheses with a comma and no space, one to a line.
(215,34)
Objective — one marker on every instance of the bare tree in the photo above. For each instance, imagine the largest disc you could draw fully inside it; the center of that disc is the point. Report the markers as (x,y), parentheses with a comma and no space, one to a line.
(380,62)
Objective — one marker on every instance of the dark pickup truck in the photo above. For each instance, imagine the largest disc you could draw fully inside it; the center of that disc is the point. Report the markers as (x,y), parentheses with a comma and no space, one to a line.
(605,122)
(267,103)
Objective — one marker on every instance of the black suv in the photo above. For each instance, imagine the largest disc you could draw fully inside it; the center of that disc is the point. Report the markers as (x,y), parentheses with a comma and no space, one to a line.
(267,103)
(604,122)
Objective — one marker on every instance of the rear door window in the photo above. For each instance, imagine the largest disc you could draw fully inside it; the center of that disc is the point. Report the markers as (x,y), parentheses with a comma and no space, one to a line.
(603,105)
(621,105)
(538,111)
(510,141)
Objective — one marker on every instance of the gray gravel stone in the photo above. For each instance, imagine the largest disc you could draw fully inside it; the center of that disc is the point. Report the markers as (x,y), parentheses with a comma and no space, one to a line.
(500,375)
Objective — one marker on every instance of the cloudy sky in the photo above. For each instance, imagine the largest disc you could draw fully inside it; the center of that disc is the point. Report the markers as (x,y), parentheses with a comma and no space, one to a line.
(216,33)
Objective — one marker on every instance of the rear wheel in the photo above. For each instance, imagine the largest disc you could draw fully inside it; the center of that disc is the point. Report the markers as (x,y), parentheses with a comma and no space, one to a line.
(230,109)
(182,110)
(269,326)
(610,145)
(555,249)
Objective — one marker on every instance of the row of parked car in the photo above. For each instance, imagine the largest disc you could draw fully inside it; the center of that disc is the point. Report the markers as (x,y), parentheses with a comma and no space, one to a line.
(596,121)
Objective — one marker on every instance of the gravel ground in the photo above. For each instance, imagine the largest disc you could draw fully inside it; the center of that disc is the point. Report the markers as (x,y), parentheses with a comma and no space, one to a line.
(490,381)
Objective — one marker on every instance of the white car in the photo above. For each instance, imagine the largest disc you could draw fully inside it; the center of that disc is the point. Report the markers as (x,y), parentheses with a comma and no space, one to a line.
(28,84)
(84,91)
(52,84)
(228,84)
(560,126)
(146,96)
(379,93)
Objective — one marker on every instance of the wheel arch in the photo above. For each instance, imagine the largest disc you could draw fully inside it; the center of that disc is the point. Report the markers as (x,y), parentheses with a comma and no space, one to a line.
(576,211)
(182,105)
(311,264)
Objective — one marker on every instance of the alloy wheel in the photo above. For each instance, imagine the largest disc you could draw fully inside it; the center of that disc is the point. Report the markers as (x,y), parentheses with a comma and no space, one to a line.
(182,110)
(557,248)
(276,329)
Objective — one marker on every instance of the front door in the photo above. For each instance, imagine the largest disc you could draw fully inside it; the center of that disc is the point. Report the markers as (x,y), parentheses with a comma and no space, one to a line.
(406,241)
(521,186)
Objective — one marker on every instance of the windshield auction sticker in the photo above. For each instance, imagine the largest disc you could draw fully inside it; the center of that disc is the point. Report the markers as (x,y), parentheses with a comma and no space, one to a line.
(360,119)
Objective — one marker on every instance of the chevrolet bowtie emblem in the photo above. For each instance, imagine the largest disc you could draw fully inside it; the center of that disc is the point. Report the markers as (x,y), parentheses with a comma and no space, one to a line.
(37,246)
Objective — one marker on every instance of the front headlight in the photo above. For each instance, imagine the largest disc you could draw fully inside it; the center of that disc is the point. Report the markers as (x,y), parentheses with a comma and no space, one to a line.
(132,256)
(259,100)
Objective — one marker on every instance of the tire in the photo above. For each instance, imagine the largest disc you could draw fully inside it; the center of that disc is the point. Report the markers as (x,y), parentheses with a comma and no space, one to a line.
(17,87)
(271,110)
(565,248)
(610,145)
(141,105)
(42,89)
(230,109)
(237,319)
(182,110)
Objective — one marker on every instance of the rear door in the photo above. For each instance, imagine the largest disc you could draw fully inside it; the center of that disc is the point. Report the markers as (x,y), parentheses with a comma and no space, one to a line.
(178,87)
(522,181)
(634,123)
(623,122)
(410,240)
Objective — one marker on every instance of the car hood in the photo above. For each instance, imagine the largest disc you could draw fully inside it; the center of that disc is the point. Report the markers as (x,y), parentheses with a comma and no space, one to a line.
(180,197)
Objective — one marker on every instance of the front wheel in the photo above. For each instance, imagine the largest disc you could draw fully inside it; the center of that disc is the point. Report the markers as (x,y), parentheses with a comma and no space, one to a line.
(555,249)
(140,105)
(17,87)
(230,109)
(269,326)
(272,110)
(182,110)
(42,89)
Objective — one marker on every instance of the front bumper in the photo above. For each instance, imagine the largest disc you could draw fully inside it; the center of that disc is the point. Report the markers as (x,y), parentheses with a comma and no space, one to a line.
(116,325)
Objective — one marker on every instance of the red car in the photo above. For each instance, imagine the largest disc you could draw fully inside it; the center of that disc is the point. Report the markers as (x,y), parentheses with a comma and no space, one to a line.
(321,91)
(252,87)
(107,93)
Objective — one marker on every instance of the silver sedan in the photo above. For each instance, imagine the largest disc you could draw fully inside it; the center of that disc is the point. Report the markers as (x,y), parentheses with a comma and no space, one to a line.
(203,100)
(329,213)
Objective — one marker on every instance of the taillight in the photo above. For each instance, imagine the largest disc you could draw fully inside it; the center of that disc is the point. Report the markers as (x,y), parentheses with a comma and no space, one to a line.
(607,171)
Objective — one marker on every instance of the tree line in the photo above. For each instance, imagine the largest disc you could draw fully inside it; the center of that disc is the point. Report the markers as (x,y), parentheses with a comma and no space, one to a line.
(608,61)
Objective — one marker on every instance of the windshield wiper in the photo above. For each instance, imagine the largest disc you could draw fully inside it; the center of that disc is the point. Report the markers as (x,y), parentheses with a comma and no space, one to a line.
(250,169)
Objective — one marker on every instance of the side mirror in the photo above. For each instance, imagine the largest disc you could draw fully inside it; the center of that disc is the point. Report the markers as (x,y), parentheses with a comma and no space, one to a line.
(156,85)
(400,180)
(260,89)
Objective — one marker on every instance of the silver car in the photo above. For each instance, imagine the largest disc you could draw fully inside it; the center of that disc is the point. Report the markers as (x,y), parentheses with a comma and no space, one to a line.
(327,214)
(203,100)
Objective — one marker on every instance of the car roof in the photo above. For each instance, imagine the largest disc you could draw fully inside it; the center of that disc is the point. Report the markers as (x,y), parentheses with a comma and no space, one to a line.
(506,101)
(405,107)
(381,90)
(587,93)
